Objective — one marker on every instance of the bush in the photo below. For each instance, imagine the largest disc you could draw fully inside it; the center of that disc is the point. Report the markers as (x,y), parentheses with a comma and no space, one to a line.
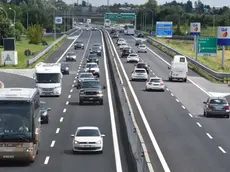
(18,35)
(35,34)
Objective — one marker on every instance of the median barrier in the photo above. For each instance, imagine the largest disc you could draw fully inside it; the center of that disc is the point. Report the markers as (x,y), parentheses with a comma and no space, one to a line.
(136,151)
(193,64)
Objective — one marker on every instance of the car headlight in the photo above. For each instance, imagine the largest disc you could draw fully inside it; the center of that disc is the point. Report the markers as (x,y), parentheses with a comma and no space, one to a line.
(44,114)
(76,142)
(56,87)
(99,92)
(67,68)
(99,142)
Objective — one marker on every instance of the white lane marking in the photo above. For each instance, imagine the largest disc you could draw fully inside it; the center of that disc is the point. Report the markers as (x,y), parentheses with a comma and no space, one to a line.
(61,119)
(147,126)
(182,106)
(221,149)
(64,110)
(167,89)
(73,85)
(57,130)
(198,86)
(80,65)
(52,144)
(209,135)
(111,112)
(69,96)
(71,90)
(75,77)
(69,47)
(171,94)
(75,31)
(199,124)
(47,160)
(67,103)
(74,81)
(177,100)
(190,115)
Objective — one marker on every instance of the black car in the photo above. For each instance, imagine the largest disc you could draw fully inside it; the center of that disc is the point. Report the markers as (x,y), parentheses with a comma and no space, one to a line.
(113,31)
(79,44)
(140,35)
(44,113)
(126,51)
(92,58)
(138,42)
(91,91)
(96,50)
(143,65)
(115,35)
(64,69)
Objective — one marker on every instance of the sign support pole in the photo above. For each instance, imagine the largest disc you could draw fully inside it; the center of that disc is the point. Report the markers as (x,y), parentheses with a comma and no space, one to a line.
(196,47)
(223,51)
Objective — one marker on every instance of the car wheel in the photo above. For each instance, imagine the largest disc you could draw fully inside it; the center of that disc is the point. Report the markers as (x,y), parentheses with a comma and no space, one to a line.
(101,102)
(163,90)
(185,80)
(170,79)
(207,115)
(100,152)
(81,102)
(146,89)
(47,122)
(227,116)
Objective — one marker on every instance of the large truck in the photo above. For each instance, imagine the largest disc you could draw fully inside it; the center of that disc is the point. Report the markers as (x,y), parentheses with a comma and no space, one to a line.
(19,124)
(129,29)
(88,21)
(48,77)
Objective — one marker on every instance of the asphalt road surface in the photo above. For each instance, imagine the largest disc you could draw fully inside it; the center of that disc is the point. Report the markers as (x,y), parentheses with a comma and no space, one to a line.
(188,141)
(66,115)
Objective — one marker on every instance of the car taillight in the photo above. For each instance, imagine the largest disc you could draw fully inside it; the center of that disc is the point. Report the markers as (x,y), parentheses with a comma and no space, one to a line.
(186,73)
(226,107)
(150,83)
(210,107)
(161,83)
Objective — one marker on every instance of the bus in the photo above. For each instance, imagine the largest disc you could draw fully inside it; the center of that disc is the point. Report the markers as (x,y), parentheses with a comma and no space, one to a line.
(48,77)
(107,23)
(129,29)
(20,124)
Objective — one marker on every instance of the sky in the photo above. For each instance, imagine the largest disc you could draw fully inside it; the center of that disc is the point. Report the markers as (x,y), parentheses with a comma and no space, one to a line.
(215,3)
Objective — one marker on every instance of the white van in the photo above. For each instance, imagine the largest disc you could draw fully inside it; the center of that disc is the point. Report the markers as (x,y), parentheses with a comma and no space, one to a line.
(178,68)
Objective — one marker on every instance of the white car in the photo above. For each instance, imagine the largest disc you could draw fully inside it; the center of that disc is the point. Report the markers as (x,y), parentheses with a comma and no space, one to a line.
(133,57)
(123,45)
(87,139)
(80,23)
(139,74)
(121,42)
(92,68)
(84,76)
(120,39)
(142,48)
(71,56)
(155,83)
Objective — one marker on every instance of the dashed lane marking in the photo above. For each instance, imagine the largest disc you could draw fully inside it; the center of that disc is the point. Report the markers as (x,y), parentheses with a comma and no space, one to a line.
(61,119)
(69,96)
(52,144)
(73,85)
(182,106)
(221,149)
(47,160)
(171,94)
(71,90)
(67,103)
(209,135)
(177,100)
(74,81)
(199,124)
(190,115)
(64,110)
(57,130)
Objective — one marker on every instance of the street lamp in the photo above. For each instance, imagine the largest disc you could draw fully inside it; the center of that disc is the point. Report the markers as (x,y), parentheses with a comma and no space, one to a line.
(14,18)
(152,16)
(4,12)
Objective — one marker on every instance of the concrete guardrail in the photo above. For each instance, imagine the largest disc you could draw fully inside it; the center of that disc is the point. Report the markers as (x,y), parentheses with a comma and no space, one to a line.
(221,76)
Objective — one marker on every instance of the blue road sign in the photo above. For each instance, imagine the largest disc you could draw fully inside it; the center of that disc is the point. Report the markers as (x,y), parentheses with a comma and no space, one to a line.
(164,29)
(58,20)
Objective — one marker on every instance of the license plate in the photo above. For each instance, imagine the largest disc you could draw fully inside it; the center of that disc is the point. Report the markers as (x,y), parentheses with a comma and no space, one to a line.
(218,107)
(8,156)
(90,98)
(155,84)
(87,146)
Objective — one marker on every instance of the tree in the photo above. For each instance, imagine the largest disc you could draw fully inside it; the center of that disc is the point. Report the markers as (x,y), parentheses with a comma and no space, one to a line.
(188,7)
(90,8)
(35,34)
(83,3)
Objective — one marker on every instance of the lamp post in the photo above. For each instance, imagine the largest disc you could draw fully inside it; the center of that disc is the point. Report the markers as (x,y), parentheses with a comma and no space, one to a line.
(4,12)
(14,18)
(152,16)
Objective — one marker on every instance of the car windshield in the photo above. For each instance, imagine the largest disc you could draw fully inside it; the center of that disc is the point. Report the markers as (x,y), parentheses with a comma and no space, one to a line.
(86,75)
(88,133)
(43,106)
(218,101)
(95,48)
(133,55)
(90,84)
(16,121)
(79,42)
(48,78)
(63,65)
(140,71)
(71,54)
(155,80)
(96,45)
(141,65)
(142,46)
(91,66)
(92,56)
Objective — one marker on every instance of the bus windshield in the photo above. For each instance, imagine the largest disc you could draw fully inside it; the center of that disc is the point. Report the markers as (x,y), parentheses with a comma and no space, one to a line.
(15,121)
(48,78)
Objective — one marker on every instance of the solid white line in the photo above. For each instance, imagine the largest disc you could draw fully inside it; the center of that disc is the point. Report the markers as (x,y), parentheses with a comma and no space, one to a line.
(111,112)
(69,96)
(67,103)
(61,119)
(199,124)
(74,81)
(222,150)
(190,115)
(52,143)
(182,106)
(71,90)
(150,133)
(209,135)
(47,160)
(171,94)
(75,31)
(69,47)
(177,100)
(57,130)
(64,110)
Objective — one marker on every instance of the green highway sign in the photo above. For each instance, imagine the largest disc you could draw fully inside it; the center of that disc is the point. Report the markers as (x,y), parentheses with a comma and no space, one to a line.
(206,46)
(111,16)
(115,16)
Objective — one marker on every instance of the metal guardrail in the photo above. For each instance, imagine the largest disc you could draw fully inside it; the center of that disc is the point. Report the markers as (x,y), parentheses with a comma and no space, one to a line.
(135,139)
(217,75)
(46,50)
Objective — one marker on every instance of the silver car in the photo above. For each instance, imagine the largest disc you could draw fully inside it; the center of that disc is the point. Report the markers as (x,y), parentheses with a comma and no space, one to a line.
(216,106)
(83,76)
(71,56)
(142,48)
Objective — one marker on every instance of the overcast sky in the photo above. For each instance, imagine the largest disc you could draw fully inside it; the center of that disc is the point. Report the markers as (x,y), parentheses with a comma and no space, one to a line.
(216,3)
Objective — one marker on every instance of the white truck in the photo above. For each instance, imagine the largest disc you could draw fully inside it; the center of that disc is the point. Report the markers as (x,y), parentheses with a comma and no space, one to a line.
(178,68)
(88,21)
(48,77)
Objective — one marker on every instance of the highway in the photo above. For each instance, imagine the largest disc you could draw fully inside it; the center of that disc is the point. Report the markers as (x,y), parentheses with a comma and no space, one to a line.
(187,140)
(66,115)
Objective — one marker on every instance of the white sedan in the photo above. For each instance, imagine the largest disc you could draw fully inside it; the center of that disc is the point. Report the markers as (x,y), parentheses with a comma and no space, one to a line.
(71,56)
(121,42)
(139,74)
(142,48)
(133,57)
(155,83)
(123,45)
(87,138)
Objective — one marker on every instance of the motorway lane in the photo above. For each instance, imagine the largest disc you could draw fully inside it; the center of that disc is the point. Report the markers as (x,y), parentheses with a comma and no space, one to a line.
(176,133)
(61,158)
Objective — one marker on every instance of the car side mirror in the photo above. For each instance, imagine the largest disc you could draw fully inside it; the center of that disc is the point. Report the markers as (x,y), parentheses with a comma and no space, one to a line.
(72,135)
(169,67)
(49,109)
(102,135)
(204,102)
(104,87)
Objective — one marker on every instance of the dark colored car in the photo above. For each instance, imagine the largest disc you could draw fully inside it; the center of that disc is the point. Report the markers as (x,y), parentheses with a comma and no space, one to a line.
(64,69)
(143,65)
(92,58)
(113,31)
(138,42)
(91,91)
(216,106)
(44,113)
(96,50)
(126,51)
(140,35)
(115,35)
(79,44)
